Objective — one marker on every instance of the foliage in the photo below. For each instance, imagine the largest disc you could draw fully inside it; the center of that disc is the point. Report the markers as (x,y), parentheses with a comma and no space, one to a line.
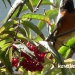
(16,38)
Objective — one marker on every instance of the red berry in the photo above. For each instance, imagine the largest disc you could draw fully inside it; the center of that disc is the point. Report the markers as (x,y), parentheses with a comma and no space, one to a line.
(28,44)
(42,55)
(33,48)
(15,62)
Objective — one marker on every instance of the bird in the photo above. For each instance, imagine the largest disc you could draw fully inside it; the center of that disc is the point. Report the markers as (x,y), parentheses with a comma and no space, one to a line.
(65,24)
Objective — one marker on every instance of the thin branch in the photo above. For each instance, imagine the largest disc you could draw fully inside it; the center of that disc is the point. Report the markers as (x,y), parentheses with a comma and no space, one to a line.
(38,5)
(36,8)
(21,6)
(50,37)
(65,33)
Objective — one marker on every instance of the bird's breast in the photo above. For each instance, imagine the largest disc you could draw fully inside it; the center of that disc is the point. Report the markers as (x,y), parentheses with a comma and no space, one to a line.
(68,23)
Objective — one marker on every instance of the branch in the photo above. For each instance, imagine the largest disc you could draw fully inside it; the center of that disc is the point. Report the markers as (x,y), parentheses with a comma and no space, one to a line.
(38,5)
(21,6)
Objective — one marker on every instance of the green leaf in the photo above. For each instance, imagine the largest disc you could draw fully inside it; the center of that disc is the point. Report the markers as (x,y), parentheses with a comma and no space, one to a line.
(4,3)
(22,37)
(47,2)
(33,27)
(27,29)
(37,39)
(11,33)
(14,14)
(5,59)
(3,36)
(7,25)
(5,46)
(36,16)
(57,3)
(9,2)
(22,31)
(5,41)
(51,14)
(67,46)
(55,71)
(14,7)
(1,73)
(41,25)
(73,70)
(29,5)
(44,2)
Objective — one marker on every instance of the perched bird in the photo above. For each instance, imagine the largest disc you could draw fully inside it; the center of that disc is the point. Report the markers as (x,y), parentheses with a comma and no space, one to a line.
(65,25)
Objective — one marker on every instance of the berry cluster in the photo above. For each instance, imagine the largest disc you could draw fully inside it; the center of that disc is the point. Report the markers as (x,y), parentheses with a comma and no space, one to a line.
(30,63)
(38,54)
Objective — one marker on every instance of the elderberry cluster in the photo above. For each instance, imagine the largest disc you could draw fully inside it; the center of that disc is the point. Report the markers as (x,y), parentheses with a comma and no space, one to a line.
(30,63)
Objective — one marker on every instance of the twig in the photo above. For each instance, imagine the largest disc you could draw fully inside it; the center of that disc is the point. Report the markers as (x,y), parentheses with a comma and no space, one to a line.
(36,8)
(21,6)
(67,32)
(44,11)
(38,5)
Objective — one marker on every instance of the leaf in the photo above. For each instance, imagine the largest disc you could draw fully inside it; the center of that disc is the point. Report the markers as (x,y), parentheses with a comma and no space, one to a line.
(23,47)
(11,33)
(73,71)
(27,29)
(21,37)
(3,36)
(5,41)
(22,31)
(70,61)
(55,71)
(44,2)
(37,39)
(7,25)
(14,7)
(1,73)
(57,3)
(33,27)
(5,59)
(51,14)
(29,5)
(9,2)
(41,25)
(47,2)
(4,3)
(14,13)
(5,46)
(67,46)
(37,16)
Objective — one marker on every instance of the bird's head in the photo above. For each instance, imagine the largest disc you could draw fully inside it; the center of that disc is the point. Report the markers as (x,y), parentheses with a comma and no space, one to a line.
(67,5)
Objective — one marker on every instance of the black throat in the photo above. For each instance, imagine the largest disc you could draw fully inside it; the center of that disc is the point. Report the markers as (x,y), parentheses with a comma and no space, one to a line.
(67,5)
